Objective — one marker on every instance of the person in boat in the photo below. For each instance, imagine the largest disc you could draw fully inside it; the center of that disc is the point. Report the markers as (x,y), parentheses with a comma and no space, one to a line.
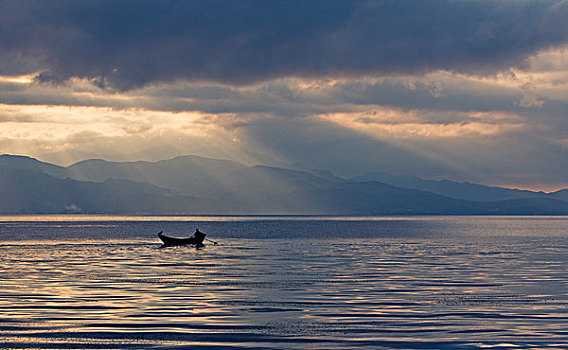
(198,235)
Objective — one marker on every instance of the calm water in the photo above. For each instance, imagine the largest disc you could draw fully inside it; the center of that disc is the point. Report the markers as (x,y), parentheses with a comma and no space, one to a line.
(336,283)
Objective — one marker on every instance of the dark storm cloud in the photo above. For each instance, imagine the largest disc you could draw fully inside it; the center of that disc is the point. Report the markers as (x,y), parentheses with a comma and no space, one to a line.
(128,44)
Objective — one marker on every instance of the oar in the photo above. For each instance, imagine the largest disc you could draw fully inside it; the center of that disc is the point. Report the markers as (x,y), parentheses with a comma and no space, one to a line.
(214,243)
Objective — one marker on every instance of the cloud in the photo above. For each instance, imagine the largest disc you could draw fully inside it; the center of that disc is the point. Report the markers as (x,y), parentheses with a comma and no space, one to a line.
(132,43)
(43,130)
(474,90)
(393,124)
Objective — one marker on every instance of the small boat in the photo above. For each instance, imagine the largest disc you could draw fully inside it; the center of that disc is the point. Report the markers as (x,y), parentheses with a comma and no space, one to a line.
(196,239)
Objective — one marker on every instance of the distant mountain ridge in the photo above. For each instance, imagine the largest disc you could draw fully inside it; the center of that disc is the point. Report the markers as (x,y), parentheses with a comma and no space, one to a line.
(454,189)
(28,163)
(189,185)
(32,192)
(187,174)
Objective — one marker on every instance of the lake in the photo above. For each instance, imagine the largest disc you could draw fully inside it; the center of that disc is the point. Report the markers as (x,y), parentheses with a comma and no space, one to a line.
(100,282)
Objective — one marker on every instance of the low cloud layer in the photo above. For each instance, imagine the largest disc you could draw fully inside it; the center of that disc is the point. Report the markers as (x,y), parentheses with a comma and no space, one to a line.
(128,44)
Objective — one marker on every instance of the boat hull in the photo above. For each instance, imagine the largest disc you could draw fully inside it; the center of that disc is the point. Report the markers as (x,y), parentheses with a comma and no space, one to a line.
(196,239)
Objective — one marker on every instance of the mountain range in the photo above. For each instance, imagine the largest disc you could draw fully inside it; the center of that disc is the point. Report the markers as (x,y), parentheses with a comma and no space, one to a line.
(192,185)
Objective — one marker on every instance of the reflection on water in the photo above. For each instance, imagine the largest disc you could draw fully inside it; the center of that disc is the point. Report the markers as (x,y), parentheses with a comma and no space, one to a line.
(447,283)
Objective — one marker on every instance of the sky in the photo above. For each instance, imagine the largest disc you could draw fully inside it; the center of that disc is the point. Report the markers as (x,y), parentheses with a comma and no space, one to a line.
(466,90)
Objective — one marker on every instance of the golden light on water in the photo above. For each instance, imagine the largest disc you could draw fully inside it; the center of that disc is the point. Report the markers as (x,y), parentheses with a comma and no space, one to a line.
(500,278)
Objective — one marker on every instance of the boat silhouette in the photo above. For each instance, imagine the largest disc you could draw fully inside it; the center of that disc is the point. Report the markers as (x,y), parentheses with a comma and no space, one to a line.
(197,239)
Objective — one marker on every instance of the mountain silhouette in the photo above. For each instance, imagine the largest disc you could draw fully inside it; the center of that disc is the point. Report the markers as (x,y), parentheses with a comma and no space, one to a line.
(196,185)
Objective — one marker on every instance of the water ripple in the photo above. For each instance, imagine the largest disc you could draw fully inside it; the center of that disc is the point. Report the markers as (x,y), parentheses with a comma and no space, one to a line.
(389,291)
